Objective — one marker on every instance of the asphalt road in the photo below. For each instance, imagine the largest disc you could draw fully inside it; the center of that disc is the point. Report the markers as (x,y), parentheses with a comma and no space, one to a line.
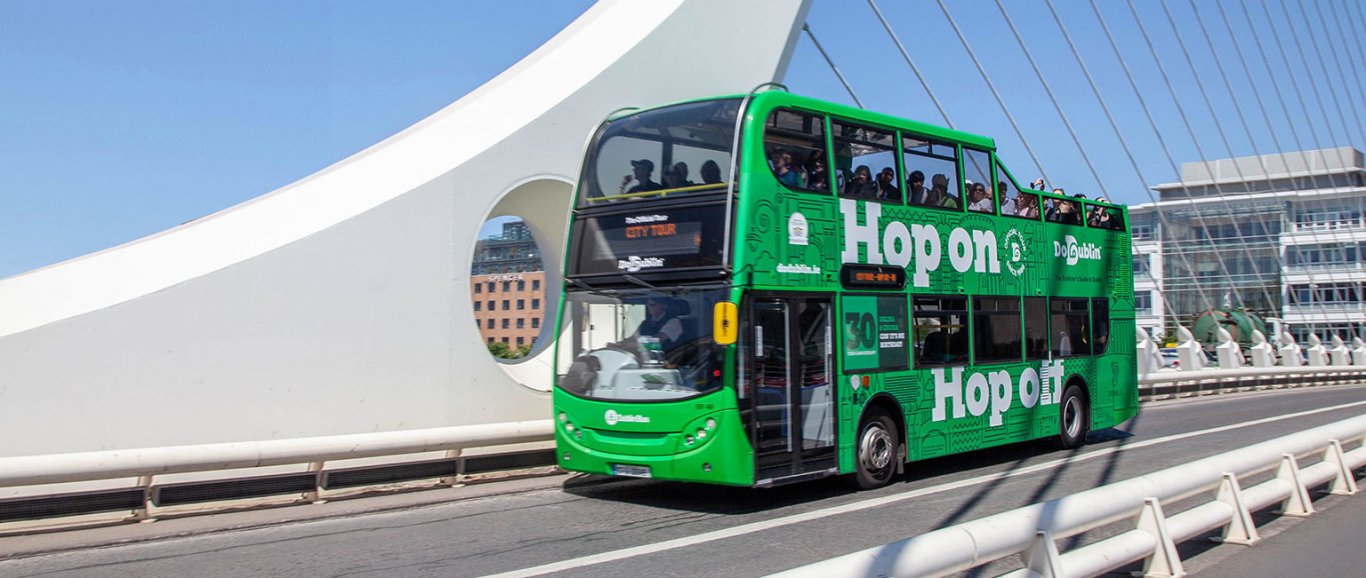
(604,528)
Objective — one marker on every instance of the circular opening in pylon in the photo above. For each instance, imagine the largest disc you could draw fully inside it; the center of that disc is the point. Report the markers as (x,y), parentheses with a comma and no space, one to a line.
(514,283)
(508,287)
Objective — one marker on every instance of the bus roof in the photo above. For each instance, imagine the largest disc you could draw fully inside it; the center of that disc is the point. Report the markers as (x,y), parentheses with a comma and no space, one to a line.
(782,98)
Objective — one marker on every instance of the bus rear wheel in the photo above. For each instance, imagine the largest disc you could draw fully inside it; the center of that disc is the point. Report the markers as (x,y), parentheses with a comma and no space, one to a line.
(1073,419)
(878,449)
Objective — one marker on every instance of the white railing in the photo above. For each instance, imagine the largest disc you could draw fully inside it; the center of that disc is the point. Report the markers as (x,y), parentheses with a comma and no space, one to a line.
(1175,383)
(146,463)
(103,465)
(1033,530)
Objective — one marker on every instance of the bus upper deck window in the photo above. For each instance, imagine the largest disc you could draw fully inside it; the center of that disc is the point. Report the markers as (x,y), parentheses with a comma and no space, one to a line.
(680,149)
(978,196)
(931,173)
(865,159)
(794,144)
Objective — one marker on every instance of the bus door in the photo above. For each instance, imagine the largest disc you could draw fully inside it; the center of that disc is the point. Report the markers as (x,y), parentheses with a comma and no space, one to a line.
(792,399)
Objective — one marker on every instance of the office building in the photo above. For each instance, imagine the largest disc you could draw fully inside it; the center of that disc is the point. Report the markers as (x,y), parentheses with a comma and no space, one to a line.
(1280,235)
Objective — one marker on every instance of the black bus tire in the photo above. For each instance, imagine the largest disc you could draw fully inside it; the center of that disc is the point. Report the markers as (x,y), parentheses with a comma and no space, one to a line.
(876,452)
(1073,418)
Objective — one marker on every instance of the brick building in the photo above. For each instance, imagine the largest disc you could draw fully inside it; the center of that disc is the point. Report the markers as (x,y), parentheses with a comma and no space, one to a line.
(507,286)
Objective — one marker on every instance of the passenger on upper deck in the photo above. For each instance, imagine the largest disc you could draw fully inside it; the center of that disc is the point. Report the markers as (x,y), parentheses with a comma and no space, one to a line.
(817,178)
(783,169)
(1027,206)
(1065,212)
(978,198)
(862,183)
(916,187)
(677,176)
(886,185)
(711,173)
(640,174)
(938,195)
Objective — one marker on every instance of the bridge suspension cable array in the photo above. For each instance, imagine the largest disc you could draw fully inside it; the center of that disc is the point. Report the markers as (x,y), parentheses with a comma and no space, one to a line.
(1232,253)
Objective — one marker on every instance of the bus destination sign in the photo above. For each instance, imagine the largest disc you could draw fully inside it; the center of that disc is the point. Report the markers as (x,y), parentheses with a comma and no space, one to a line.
(872,277)
(662,238)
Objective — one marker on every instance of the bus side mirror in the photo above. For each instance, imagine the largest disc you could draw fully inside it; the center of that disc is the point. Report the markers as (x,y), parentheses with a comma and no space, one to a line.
(725,322)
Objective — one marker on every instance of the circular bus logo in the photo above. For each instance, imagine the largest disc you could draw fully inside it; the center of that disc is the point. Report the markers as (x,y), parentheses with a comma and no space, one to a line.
(1016,250)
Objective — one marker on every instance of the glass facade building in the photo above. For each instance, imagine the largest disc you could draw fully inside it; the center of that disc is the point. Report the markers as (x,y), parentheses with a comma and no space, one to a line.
(1279,235)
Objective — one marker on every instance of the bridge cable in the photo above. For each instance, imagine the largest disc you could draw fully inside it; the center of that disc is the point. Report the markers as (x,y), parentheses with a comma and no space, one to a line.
(1337,63)
(1332,275)
(1000,101)
(1290,122)
(1019,39)
(1282,258)
(1209,165)
(1209,247)
(1152,122)
(1315,293)
(1304,107)
(1313,86)
(914,68)
(1360,21)
(1119,134)
(1342,118)
(807,28)
(1352,60)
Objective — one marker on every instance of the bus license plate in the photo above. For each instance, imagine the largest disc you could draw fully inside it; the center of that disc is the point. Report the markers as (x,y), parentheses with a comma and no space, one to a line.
(631,471)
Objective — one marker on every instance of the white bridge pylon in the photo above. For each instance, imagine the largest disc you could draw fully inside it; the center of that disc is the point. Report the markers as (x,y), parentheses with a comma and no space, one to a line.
(340,303)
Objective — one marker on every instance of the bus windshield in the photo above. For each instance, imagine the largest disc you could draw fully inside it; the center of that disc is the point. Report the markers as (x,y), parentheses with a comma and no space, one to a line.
(678,149)
(640,345)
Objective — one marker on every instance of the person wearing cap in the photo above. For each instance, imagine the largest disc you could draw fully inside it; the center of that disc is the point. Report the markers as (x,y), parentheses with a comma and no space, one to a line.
(640,173)
(939,193)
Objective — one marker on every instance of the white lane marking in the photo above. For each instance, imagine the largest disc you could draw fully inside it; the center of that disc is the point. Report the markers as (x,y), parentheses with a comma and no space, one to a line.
(875,502)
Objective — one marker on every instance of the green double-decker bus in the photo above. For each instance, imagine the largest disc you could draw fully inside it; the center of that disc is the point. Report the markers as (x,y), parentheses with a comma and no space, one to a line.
(768,288)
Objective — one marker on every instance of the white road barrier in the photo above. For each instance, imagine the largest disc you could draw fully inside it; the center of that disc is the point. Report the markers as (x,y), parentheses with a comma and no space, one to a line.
(147,463)
(86,466)
(1032,531)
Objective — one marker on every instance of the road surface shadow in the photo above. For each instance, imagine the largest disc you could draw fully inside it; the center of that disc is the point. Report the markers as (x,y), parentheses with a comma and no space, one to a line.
(730,500)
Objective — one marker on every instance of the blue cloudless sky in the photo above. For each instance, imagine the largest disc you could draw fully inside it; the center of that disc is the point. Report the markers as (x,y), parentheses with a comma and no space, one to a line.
(119,120)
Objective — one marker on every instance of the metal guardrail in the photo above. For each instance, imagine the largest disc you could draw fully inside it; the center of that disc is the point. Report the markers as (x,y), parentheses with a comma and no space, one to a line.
(103,465)
(1033,531)
(146,463)
(1177,383)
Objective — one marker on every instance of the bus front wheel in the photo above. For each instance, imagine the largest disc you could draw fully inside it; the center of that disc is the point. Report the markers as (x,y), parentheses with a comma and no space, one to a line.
(877,451)
(1073,421)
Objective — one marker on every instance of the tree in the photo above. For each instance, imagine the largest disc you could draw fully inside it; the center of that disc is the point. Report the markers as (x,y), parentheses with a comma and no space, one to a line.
(500,350)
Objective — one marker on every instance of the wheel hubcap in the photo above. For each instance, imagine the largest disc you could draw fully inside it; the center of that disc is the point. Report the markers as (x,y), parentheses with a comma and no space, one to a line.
(1071,417)
(875,449)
